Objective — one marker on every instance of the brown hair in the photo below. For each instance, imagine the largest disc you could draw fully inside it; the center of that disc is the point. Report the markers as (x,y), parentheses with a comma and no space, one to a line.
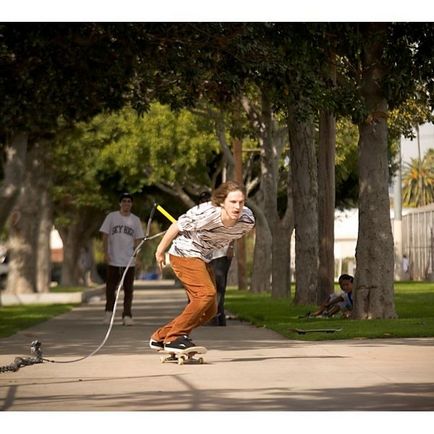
(219,194)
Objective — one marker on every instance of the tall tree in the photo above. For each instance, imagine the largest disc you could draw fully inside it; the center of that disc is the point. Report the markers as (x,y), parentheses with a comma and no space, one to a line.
(326,189)
(278,217)
(305,178)
(387,64)
(302,98)
(52,71)
(374,283)
(56,70)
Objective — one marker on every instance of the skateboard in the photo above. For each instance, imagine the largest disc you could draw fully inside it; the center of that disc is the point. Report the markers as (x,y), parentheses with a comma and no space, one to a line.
(184,356)
(303,331)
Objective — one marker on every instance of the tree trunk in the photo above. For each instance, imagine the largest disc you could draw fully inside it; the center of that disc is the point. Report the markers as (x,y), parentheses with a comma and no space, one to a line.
(326,192)
(326,205)
(261,275)
(75,239)
(94,277)
(373,293)
(13,174)
(43,269)
(280,227)
(220,128)
(70,275)
(23,234)
(240,245)
(281,273)
(305,192)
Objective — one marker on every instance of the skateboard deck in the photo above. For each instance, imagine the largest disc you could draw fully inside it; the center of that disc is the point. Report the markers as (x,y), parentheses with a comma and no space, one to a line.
(304,331)
(184,356)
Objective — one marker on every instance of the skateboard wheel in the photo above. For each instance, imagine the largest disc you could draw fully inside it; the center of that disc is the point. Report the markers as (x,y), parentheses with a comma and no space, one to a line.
(181,361)
(201,361)
(162,359)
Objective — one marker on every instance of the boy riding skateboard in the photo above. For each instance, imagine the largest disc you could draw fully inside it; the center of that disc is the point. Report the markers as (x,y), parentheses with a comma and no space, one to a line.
(192,239)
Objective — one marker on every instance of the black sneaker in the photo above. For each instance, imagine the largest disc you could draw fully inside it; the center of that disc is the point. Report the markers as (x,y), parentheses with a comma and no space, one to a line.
(179,344)
(156,345)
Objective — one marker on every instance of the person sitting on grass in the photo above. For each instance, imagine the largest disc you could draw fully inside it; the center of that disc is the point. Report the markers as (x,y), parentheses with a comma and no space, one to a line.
(342,302)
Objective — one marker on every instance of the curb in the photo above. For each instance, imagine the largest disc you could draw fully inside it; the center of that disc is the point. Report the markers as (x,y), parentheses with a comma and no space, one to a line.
(51,298)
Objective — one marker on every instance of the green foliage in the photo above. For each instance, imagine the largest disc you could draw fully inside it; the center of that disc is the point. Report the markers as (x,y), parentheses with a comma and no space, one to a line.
(72,70)
(418,181)
(409,55)
(347,137)
(74,154)
(413,304)
(124,151)
(413,112)
(347,188)
(180,145)
(160,146)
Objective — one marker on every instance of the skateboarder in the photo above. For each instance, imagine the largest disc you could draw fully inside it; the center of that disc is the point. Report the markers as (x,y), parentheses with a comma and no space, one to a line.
(193,238)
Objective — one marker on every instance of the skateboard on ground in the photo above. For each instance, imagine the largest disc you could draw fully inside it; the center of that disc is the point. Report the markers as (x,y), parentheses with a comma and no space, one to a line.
(184,356)
(304,331)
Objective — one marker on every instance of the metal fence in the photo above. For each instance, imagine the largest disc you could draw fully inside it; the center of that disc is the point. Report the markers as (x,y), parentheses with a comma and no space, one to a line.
(418,242)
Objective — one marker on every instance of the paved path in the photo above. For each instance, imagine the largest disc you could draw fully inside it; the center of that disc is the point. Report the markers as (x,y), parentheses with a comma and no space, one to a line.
(247,368)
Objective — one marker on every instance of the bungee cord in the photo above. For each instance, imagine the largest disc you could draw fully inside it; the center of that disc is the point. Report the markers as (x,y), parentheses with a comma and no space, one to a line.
(36,345)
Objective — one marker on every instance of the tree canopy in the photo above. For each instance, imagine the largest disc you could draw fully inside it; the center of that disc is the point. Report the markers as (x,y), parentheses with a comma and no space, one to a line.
(69,70)
(87,79)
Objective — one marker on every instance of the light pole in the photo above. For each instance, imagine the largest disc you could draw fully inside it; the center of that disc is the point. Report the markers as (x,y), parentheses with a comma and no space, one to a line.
(397,220)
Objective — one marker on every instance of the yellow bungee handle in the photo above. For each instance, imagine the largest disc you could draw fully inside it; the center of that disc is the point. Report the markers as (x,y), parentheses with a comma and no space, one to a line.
(166,214)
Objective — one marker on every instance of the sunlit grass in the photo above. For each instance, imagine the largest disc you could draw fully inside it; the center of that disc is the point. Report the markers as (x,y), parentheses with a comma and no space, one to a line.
(414,303)
(57,289)
(16,318)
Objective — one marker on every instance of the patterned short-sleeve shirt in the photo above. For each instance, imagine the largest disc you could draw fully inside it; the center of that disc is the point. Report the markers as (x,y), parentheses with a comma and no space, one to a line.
(202,231)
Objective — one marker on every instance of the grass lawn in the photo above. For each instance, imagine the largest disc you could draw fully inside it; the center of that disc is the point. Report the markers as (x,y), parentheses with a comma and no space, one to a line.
(414,305)
(57,289)
(16,318)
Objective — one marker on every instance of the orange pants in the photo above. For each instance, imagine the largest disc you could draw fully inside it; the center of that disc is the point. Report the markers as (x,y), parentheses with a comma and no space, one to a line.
(199,283)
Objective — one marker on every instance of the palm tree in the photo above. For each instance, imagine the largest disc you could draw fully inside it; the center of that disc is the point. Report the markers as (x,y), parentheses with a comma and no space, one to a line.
(418,181)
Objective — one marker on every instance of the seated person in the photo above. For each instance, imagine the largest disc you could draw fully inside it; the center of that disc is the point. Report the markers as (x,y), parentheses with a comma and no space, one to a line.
(338,302)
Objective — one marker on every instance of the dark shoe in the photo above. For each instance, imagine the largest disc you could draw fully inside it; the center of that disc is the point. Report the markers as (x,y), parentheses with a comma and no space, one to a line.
(179,344)
(156,345)
(221,320)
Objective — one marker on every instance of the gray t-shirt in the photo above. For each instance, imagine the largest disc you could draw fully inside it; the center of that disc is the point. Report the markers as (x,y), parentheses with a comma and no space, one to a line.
(202,231)
(122,231)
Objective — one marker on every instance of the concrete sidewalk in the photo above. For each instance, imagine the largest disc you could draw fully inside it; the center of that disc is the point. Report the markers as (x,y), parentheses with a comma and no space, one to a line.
(247,368)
